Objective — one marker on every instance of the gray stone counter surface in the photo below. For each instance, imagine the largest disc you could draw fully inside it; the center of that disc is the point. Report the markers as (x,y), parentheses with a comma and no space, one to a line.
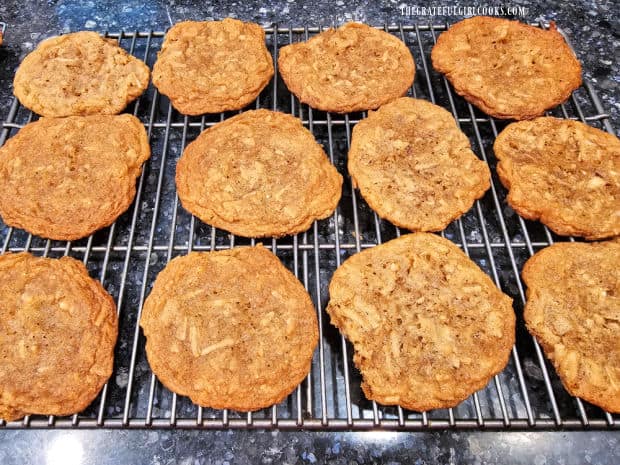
(592,26)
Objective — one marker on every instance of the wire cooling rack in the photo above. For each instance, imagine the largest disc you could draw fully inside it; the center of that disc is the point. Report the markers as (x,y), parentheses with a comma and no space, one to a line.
(127,256)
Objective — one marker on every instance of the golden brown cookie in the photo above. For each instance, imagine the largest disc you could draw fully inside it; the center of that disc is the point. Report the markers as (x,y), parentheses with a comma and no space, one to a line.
(58,328)
(507,69)
(79,74)
(564,173)
(65,178)
(257,174)
(230,329)
(414,166)
(573,309)
(213,66)
(355,67)
(428,327)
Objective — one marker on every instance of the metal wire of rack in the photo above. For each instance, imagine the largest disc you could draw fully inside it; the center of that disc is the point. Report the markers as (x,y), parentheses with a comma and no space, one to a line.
(127,256)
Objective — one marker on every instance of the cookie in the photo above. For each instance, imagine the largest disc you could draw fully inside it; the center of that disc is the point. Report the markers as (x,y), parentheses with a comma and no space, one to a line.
(573,310)
(564,173)
(414,166)
(65,178)
(429,328)
(507,69)
(230,329)
(212,66)
(58,328)
(257,174)
(353,68)
(79,74)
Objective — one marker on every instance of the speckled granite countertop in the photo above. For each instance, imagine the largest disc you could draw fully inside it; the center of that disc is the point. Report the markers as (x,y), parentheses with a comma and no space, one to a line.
(593,28)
